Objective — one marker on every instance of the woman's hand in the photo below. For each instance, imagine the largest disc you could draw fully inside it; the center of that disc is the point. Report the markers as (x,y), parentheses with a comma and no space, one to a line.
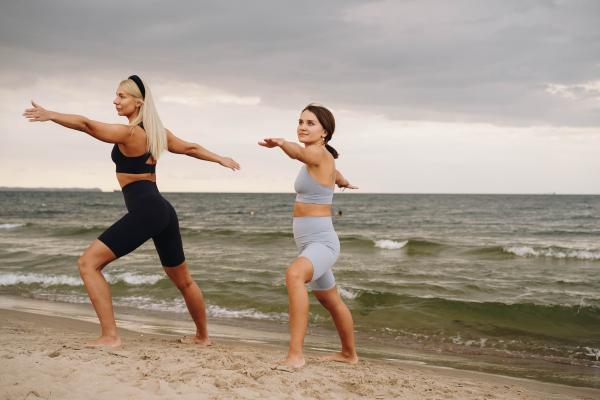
(272,142)
(230,163)
(37,113)
(346,185)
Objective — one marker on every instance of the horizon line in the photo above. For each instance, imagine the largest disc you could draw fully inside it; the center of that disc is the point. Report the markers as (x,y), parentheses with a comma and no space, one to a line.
(80,189)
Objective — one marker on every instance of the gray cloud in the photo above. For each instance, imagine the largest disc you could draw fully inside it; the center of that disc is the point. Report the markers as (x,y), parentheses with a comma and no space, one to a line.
(489,61)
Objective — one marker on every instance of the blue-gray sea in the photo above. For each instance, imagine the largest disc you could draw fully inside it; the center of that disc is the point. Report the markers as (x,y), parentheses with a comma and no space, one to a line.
(512,275)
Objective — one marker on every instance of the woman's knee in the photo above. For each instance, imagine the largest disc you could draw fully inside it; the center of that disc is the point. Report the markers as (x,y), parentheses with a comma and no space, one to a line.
(95,258)
(86,265)
(297,274)
(180,276)
(184,284)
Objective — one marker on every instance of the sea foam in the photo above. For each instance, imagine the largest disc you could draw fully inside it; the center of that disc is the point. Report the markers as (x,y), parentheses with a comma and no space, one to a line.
(347,293)
(133,279)
(9,279)
(526,251)
(149,303)
(217,311)
(178,306)
(10,226)
(390,244)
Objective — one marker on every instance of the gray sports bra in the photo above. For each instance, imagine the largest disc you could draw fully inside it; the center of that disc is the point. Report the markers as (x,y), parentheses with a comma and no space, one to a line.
(310,191)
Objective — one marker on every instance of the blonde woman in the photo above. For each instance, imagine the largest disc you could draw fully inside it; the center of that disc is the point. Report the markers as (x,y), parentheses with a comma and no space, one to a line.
(137,148)
(317,242)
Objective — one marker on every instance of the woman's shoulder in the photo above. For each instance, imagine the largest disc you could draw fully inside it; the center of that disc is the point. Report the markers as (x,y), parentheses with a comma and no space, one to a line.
(318,151)
(323,159)
(137,136)
(139,130)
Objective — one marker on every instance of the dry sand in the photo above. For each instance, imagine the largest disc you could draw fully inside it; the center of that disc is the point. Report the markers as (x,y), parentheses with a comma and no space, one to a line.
(44,357)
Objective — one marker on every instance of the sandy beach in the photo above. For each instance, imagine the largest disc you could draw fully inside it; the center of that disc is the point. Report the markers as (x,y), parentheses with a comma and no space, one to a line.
(44,357)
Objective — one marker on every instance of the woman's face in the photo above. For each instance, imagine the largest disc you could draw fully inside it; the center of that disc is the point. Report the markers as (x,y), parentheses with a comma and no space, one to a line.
(310,129)
(125,103)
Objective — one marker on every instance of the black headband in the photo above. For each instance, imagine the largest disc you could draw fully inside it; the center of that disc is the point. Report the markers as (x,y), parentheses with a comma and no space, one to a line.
(139,84)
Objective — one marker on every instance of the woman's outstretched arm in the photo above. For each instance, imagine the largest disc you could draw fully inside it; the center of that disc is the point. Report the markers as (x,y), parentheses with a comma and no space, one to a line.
(308,155)
(342,182)
(179,146)
(109,133)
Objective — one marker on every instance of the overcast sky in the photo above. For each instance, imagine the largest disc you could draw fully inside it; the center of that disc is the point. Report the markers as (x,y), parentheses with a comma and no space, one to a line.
(429,96)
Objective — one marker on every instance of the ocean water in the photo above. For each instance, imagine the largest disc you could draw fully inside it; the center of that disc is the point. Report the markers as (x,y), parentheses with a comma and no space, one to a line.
(511,275)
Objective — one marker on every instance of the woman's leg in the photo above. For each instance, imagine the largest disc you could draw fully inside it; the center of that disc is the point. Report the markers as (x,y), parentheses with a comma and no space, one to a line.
(194,300)
(170,250)
(90,264)
(298,273)
(332,301)
(121,238)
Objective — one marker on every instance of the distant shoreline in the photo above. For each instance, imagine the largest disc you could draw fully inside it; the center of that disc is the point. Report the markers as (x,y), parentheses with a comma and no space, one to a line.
(76,189)
(44,189)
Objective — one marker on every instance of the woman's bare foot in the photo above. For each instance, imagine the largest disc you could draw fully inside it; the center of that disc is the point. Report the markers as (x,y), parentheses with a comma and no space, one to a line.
(196,340)
(108,341)
(341,357)
(294,362)
(289,364)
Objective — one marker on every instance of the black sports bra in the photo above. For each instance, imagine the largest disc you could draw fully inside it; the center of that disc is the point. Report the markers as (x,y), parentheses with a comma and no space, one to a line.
(131,165)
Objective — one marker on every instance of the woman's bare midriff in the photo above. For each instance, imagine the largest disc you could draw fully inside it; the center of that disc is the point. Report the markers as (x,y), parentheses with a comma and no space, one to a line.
(312,210)
(126,179)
